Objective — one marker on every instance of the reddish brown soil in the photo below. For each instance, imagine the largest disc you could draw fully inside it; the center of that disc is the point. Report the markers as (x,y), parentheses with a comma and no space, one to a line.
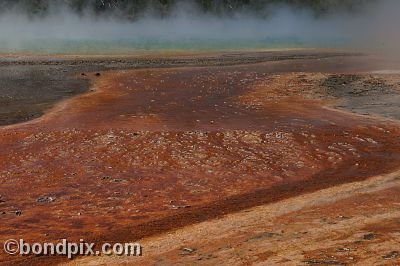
(351,224)
(152,150)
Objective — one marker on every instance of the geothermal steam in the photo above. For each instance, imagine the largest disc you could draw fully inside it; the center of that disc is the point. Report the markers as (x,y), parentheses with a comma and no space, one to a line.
(374,27)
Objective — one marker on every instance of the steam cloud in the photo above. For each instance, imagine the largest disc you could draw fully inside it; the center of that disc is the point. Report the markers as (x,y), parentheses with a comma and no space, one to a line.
(373,27)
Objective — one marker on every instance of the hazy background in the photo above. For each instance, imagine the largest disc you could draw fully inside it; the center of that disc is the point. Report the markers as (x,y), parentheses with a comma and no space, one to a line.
(120,26)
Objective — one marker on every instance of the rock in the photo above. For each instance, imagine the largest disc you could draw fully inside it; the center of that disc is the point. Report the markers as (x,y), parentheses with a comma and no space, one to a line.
(18,212)
(46,199)
(119,180)
(174,207)
(343,249)
(391,255)
(369,236)
(187,251)
(321,262)
(98,74)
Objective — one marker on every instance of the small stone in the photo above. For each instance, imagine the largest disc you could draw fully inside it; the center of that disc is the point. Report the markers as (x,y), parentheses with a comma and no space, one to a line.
(391,255)
(369,236)
(174,207)
(187,251)
(18,212)
(46,199)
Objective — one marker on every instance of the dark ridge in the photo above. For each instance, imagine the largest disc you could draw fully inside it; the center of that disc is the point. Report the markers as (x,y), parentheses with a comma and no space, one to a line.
(132,9)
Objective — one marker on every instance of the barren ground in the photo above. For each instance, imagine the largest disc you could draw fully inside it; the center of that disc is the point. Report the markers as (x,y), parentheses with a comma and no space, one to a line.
(148,151)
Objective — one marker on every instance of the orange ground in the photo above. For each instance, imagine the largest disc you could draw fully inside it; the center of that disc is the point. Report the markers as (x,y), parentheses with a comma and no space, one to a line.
(152,150)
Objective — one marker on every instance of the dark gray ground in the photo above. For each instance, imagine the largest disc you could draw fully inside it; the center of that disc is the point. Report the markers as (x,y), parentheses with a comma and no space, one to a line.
(26,91)
(365,94)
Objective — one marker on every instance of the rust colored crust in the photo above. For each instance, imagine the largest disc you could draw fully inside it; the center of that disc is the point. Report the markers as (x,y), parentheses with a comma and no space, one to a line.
(341,225)
(154,150)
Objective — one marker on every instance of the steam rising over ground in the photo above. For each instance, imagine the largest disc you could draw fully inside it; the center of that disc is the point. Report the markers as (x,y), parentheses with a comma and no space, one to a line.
(62,30)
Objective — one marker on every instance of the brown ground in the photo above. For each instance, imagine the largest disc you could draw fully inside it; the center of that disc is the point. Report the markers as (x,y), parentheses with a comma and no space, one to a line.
(352,224)
(153,150)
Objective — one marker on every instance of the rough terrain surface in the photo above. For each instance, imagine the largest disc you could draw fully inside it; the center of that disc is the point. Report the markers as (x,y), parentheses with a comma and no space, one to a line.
(352,224)
(152,150)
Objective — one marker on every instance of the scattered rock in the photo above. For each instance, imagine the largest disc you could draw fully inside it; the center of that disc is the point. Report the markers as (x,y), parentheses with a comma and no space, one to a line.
(118,180)
(175,207)
(46,199)
(391,255)
(343,249)
(187,251)
(323,262)
(369,236)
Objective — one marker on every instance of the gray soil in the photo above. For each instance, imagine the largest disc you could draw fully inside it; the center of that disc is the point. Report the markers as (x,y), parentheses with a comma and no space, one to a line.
(365,94)
(26,91)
